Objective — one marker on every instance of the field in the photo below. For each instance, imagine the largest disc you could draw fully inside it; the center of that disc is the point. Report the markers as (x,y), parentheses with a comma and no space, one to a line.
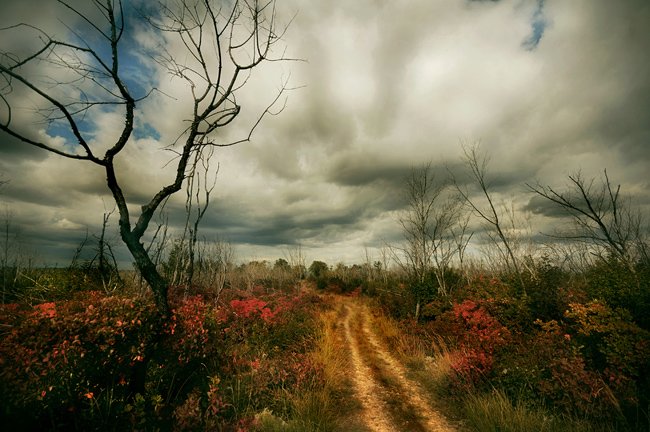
(337,351)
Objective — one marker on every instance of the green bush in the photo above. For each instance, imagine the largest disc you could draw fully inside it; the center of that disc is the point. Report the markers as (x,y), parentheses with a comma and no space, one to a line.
(620,287)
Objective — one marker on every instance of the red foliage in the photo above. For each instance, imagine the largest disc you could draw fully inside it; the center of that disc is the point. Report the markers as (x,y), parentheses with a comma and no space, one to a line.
(73,355)
(59,353)
(479,335)
(188,329)
(252,307)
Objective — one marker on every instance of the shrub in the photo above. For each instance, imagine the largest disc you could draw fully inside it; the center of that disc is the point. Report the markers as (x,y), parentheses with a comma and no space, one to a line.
(616,347)
(59,357)
(547,295)
(477,336)
(619,287)
(70,363)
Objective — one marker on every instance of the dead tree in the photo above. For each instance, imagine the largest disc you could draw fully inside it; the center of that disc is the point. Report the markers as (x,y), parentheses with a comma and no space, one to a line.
(222,42)
(603,218)
(106,263)
(477,165)
(430,228)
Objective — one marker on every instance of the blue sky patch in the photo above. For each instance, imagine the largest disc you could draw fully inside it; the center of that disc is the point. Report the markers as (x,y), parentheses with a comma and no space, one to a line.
(61,128)
(538,24)
(146,131)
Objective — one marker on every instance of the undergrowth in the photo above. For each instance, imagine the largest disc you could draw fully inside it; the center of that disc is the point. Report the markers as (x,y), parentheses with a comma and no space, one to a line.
(231,364)
(503,361)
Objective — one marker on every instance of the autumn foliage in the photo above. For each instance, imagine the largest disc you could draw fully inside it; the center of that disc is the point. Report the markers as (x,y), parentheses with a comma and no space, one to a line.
(589,361)
(71,363)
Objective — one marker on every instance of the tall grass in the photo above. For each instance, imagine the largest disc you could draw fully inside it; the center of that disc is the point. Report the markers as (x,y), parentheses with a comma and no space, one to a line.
(330,350)
(496,412)
(323,408)
(428,359)
(400,342)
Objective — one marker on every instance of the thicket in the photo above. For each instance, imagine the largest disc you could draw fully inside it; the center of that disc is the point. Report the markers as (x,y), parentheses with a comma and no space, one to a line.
(575,345)
(77,363)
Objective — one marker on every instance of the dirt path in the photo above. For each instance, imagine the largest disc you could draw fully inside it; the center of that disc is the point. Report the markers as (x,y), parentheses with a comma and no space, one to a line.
(391,402)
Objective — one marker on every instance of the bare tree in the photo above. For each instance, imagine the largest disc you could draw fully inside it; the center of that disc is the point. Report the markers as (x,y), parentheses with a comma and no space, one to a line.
(223,43)
(8,270)
(477,163)
(461,236)
(4,259)
(603,219)
(384,260)
(296,258)
(197,200)
(216,262)
(429,225)
(106,262)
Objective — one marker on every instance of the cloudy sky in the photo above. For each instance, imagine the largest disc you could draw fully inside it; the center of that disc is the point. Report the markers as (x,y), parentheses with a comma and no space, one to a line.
(547,87)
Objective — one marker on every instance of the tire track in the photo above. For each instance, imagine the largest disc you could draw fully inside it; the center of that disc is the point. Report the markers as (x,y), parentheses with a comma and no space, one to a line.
(412,391)
(390,400)
(373,408)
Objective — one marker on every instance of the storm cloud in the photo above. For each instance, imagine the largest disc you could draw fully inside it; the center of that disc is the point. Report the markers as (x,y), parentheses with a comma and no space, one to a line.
(548,88)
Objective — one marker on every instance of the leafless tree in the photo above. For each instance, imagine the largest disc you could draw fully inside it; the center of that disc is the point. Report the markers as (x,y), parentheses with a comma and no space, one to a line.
(223,43)
(384,259)
(603,218)
(106,262)
(7,269)
(199,186)
(15,260)
(4,261)
(296,258)
(430,227)
(254,272)
(477,164)
(216,263)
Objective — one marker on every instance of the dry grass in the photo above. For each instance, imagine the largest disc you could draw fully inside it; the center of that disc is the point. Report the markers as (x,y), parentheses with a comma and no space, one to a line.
(495,412)
(401,343)
(330,350)
(331,406)
(428,360)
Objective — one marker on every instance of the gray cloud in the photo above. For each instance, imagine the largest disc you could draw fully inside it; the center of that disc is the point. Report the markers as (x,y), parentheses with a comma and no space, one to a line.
(548,87)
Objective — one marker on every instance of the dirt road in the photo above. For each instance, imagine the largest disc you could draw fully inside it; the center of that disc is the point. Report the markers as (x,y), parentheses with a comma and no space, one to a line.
(391,402)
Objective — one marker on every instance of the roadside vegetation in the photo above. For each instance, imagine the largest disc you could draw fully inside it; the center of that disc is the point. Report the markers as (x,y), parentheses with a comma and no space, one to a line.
(528,332)
(570,352)
(564,357)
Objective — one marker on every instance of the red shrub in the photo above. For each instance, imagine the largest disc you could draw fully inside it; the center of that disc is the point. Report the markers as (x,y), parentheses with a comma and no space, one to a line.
(481,335)
(57,354)
(190,330)
(252,307)
(563,377)
(70,357)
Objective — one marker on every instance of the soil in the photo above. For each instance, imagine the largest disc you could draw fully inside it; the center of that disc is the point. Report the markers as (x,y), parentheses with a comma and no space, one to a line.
(390,401)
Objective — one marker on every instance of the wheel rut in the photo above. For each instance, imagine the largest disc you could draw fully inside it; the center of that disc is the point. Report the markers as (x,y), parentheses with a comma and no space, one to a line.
(390,400)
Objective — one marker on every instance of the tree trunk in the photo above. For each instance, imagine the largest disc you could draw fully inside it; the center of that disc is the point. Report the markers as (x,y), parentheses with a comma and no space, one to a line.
(147,268)
(159,287)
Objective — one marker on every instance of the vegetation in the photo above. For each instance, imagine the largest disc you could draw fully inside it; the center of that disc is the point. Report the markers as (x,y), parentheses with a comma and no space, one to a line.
(570,353)
(73,364)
